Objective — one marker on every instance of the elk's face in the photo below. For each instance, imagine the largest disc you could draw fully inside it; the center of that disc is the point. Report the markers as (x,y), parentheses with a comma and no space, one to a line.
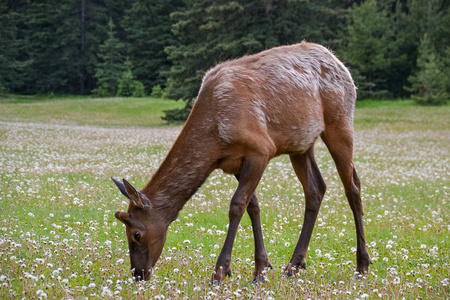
(146,237)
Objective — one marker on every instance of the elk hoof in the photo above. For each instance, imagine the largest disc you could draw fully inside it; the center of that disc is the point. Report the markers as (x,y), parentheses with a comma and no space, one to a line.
(258,276)
(219,276)
(289,271)
(259,279)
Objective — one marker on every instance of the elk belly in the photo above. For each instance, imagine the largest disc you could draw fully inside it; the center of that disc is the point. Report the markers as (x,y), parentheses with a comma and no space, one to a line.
(231,165)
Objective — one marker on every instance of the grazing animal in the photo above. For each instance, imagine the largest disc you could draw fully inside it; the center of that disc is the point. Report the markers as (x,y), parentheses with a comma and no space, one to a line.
(248,111)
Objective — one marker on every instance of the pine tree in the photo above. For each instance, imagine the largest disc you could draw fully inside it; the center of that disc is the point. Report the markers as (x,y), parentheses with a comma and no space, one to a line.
(230,29)
(8,32)
(148,27)
(369,41)
(63,39)
(110,67)
(428,32)
(128,85)
(429,82)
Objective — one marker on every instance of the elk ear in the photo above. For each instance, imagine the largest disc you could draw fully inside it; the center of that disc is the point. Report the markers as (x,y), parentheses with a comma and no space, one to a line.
(121,187)
(122,217)
(135,195)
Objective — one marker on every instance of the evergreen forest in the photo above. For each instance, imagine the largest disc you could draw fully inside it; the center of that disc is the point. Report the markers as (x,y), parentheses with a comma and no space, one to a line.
(394,48)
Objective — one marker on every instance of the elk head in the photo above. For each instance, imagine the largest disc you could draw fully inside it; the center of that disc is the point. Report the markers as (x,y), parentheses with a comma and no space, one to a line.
(146,233)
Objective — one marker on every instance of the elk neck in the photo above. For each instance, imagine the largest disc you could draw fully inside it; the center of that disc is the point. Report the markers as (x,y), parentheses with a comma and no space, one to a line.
(183,171)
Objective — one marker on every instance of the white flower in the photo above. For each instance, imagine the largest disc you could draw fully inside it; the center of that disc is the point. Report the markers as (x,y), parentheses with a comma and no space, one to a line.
(106,292)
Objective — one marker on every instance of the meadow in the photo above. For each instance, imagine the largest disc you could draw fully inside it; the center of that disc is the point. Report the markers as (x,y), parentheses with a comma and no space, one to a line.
(59,238)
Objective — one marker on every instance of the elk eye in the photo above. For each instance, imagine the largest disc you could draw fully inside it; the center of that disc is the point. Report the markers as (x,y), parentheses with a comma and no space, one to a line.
(137,236)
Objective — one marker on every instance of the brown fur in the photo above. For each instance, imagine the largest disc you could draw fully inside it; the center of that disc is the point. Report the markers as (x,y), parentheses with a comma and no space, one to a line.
(248,111)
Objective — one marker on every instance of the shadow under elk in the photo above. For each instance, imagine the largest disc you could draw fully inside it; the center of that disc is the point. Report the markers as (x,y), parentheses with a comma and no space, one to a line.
(248,111)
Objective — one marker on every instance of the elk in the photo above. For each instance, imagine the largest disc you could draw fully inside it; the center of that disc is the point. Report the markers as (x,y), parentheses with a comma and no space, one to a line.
(248,111)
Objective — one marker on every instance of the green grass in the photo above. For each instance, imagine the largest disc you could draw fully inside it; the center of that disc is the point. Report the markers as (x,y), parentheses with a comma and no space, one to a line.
(401,115)
(88,111)
(59,238)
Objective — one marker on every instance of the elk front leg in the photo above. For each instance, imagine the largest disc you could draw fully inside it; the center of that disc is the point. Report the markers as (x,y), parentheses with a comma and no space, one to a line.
(261,258)
(248,180)
(314,188)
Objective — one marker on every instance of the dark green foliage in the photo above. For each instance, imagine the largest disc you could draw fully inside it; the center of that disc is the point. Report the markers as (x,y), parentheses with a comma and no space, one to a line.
(157,92)
(128,85)
(8,33)
(368,47)
(429,23)
(110,66)
(139,89)
(429,83)
(177,115)
(62,39)
(67,47)
(149,30)
(228,29)
(12,63)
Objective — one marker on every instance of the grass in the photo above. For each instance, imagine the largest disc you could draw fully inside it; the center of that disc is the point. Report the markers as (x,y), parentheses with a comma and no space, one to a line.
(87,111)
(59,238)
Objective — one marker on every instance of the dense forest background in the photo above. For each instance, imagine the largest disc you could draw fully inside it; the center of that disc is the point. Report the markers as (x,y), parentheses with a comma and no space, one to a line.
(394,48)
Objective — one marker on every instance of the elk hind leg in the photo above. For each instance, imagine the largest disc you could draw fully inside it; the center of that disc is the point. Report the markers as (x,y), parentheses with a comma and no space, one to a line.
(339,141)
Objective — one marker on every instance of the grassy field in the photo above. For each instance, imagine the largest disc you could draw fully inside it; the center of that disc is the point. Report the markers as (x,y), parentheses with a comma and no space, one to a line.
(59,238)
(87,111)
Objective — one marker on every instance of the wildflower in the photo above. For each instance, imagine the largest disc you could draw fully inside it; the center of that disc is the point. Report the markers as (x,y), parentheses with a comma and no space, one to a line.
(39,261)
(106,292)
(31,215)
(41,294)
